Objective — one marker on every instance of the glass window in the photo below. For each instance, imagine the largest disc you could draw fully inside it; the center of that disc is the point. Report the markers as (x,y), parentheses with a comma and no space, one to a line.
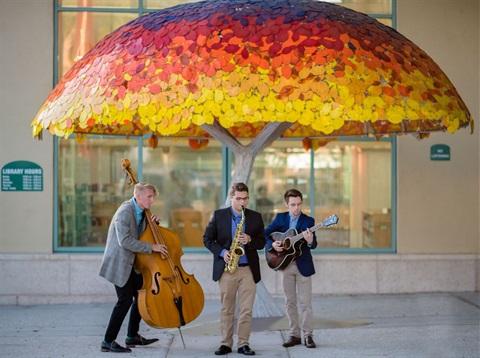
(91,185)
(162,4)
(281,166)
(352,180)
(190,186)
(78,32)
(121,4)
(366,6)
(384,21)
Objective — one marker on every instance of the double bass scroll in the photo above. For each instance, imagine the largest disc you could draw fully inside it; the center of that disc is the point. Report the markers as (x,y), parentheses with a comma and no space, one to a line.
(169,297)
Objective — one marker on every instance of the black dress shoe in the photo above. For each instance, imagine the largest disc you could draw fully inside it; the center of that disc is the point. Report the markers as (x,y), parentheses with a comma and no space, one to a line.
(223,350)
(114,347)
(292,341)
(246,350)
(309,342)
(139,341)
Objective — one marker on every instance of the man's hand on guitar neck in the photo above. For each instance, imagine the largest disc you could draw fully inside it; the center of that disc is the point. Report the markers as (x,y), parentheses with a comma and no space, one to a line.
(308,236)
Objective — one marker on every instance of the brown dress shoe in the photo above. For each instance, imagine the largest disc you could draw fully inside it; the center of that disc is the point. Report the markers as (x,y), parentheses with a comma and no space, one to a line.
(292,341)
(309,342)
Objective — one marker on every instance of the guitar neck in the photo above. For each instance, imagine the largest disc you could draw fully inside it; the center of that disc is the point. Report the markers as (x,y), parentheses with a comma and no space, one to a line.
(312,229)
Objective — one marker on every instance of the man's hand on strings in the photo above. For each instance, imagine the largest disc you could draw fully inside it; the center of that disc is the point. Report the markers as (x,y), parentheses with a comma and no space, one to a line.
(160,248)
(277,246)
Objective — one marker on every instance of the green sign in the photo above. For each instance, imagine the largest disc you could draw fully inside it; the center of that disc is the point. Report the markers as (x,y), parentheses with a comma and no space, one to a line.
(22,176)
(440,152)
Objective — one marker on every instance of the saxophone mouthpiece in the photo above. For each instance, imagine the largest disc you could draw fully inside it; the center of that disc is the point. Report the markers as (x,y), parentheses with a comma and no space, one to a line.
(243,207)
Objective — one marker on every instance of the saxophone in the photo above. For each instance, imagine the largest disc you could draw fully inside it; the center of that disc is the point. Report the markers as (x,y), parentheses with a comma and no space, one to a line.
(236,249)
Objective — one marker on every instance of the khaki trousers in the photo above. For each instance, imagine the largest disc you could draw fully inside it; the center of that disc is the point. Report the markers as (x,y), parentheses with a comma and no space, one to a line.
(240,281)
(296,285)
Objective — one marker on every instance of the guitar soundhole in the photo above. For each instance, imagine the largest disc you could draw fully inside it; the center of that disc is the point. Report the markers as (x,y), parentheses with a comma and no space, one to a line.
(286,244)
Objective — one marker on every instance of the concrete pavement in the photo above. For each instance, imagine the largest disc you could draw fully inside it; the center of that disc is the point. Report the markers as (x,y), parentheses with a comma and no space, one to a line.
(440,325)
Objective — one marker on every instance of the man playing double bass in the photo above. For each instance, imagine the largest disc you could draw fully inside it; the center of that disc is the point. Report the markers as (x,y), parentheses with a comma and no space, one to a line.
(117,267)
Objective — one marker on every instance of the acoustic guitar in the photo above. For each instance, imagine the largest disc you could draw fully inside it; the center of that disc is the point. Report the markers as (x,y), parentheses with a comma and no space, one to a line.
(292,245)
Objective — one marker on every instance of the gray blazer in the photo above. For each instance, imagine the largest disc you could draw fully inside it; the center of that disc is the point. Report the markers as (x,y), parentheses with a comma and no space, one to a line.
(122,244)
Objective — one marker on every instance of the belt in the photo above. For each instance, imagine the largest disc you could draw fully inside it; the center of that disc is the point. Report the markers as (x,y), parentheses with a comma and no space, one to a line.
(242,265)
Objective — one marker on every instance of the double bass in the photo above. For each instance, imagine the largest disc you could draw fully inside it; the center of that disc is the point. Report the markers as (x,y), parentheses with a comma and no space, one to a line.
(169,296)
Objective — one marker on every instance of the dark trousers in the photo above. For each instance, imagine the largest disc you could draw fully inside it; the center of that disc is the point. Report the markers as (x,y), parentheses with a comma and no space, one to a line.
(127,299)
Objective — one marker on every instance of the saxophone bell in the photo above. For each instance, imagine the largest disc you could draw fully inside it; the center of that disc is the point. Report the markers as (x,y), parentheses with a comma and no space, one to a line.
(239,251)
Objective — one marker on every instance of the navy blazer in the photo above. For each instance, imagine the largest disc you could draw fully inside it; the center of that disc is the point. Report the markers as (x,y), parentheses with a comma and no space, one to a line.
(218,236)
(281,224)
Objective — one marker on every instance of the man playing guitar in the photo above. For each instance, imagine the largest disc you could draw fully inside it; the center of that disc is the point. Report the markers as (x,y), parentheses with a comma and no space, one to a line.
(297,280)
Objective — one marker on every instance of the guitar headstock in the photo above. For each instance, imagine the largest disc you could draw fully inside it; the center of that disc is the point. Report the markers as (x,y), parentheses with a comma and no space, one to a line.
(132,177)
(331,220)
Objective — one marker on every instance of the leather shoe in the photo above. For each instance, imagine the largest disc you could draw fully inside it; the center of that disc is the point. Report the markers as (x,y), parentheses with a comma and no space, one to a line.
(309,342)
(114,347)
(246,350)
(292,341)
(139,341)
(223,350)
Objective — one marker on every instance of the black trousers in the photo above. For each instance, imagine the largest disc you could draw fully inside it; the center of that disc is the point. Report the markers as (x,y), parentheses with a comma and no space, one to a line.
(127,299)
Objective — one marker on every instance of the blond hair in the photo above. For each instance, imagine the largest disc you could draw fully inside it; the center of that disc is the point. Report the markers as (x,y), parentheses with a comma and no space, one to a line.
(141,187)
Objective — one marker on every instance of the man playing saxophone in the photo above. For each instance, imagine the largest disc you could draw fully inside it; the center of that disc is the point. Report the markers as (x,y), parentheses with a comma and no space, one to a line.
(236,250)
(237,271)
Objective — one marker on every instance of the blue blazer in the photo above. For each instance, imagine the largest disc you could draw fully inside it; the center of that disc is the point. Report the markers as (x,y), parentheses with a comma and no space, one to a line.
(281,223)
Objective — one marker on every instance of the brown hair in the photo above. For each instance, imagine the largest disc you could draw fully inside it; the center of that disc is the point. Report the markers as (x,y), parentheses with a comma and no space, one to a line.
(238,187)
(292,193)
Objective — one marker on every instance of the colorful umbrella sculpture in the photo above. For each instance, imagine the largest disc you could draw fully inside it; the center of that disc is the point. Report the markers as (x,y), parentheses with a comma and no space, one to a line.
(320,69)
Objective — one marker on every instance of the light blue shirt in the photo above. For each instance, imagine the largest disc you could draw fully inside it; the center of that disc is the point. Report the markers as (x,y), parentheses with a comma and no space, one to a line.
(293,221)
(138,211)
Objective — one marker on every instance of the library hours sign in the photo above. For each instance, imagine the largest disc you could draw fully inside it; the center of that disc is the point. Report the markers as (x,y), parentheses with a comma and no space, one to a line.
(22,176)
